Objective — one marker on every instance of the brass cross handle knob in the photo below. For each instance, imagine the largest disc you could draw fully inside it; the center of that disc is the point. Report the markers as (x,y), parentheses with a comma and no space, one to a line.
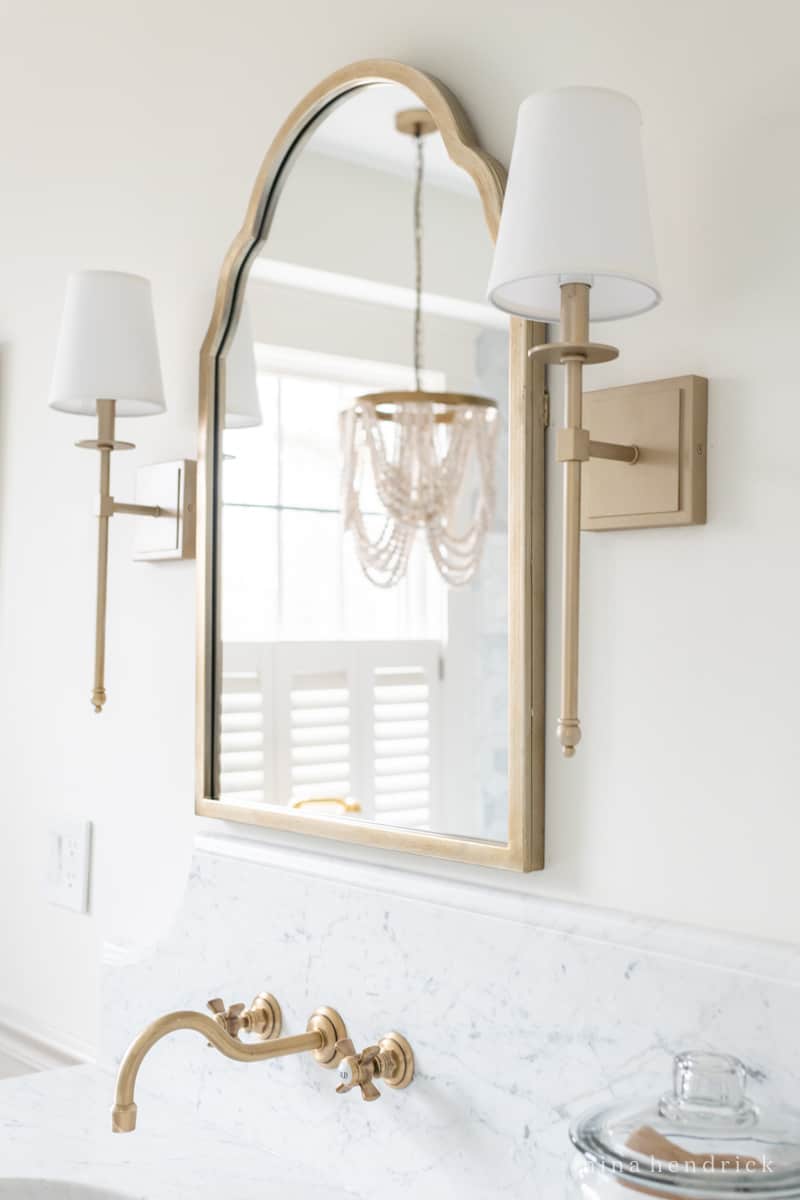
(358,1070)
(392,1060)
(229,1018)
(263,1018)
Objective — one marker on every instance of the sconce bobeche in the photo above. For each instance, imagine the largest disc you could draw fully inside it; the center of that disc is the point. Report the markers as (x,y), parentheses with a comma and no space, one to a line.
(107,366)
(574,233)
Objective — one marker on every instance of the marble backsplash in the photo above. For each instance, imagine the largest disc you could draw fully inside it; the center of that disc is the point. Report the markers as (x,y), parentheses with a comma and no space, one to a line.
(522,1013)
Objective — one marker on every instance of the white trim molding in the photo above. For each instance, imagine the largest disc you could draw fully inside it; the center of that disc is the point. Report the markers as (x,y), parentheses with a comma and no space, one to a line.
(41,1048)
(370,291)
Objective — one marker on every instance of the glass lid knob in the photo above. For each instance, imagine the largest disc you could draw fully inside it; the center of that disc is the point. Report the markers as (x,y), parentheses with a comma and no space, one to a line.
(710,1087)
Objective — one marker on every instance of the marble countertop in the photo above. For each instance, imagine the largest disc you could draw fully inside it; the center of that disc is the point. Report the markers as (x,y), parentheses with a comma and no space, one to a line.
(56,1125)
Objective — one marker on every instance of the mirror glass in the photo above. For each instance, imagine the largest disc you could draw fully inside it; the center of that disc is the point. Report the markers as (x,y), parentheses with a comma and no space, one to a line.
(363,600)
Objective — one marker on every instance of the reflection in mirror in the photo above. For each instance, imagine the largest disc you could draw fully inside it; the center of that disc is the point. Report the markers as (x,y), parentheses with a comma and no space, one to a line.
(364,577)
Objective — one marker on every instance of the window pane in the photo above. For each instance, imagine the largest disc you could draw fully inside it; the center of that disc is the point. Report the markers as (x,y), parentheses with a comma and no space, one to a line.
(250,463)
(370,612)
(310,576)
(414,608)
(249,569)
(310,454)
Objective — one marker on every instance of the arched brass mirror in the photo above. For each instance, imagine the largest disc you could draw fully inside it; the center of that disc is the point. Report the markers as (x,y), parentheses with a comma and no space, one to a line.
(371,493)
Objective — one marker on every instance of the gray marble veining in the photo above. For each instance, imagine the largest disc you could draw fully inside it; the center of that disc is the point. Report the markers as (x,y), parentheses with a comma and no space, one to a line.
(516,1026)
(55,1126)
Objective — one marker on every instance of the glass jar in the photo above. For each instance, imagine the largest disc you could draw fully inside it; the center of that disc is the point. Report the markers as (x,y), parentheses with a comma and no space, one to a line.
(705,1138)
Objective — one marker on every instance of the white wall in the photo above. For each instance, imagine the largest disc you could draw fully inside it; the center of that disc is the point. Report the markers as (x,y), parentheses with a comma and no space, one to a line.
(326,202)
(131,135)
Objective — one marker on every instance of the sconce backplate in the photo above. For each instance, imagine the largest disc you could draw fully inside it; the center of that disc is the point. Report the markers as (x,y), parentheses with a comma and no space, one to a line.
(172,486)
(668,421)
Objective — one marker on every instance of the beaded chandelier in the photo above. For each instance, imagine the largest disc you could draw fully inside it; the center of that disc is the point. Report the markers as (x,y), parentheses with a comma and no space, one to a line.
(429,457)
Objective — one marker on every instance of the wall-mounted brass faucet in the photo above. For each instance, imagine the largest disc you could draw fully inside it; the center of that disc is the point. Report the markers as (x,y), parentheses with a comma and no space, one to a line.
(263,1018)
(392,1060)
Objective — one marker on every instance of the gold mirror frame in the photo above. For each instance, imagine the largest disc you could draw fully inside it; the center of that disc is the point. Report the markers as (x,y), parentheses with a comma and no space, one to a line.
(524,850)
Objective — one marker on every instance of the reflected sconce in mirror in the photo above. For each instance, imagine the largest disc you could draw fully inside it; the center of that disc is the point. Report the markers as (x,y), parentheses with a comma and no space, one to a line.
(107,366)
(416,448)
(575,240)
(242,404)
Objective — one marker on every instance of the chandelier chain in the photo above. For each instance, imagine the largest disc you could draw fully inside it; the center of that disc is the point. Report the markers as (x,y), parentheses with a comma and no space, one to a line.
(418,258)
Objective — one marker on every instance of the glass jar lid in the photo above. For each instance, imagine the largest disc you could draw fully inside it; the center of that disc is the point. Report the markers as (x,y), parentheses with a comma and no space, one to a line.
(704,1138)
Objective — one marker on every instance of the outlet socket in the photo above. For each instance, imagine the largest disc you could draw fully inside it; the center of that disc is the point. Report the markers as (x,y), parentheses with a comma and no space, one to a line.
(69,865)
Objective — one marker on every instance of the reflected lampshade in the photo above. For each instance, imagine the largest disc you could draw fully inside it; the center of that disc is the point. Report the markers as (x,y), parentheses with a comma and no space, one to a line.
(576,208)
(242,406)
(107,348)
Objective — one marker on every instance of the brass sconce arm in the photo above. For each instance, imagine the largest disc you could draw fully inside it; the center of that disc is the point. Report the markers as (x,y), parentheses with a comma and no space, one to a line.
(614,452)
(107,507)
(325,1029)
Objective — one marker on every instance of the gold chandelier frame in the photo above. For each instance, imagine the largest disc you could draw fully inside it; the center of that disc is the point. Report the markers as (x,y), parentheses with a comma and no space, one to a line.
(448,400)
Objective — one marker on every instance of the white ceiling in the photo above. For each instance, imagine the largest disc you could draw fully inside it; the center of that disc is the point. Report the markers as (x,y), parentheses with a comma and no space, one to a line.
(361,129)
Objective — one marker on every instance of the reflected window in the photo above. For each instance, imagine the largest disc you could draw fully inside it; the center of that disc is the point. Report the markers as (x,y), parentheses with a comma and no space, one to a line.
(291,573)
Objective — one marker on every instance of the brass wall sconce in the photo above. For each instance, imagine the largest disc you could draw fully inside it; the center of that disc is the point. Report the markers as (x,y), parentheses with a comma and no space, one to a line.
(575,234)
(107,365)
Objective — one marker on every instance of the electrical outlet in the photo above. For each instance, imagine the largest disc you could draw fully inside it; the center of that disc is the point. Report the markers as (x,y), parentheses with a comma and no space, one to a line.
(69,859)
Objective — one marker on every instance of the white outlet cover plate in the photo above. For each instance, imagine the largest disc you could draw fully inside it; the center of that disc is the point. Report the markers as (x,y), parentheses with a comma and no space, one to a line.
(69,865)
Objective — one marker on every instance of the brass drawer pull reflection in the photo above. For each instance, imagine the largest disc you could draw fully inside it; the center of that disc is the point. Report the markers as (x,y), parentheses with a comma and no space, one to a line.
(344,803)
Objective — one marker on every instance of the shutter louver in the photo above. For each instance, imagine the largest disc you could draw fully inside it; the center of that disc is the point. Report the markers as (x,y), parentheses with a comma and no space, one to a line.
(402,740)
(242,738)
(319,733)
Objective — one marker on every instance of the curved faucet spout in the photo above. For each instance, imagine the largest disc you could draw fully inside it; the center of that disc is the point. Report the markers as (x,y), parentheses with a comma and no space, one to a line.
(320,1039)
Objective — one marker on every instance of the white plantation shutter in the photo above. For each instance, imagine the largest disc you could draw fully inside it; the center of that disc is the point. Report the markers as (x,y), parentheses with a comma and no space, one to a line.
(319,750)
(315,721)
(403,699)
(401,722)
(243,724)
(354,720)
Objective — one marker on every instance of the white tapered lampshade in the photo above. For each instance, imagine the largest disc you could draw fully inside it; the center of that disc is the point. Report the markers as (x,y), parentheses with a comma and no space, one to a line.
(576,208)
(107,348)
(242,407)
